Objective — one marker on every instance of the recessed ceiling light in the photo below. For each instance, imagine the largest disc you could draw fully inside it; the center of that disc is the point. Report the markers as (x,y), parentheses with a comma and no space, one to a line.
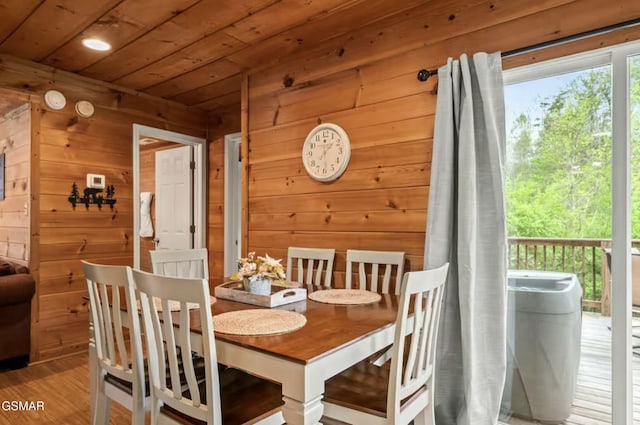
(96,44)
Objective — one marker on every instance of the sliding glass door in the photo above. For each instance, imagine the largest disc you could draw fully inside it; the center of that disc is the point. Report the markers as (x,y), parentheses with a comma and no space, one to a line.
(573,191)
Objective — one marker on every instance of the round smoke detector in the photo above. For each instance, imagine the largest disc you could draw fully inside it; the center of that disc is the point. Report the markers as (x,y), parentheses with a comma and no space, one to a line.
(54,99)
(84,108)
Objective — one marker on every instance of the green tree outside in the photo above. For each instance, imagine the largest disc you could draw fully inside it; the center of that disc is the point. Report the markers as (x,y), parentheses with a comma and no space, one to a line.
(558,174)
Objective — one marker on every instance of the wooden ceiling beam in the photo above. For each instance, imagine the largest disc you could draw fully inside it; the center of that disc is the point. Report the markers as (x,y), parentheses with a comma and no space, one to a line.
(29,77)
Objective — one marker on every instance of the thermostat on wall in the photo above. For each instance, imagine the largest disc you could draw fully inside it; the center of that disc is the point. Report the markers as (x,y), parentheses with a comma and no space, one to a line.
(95,181)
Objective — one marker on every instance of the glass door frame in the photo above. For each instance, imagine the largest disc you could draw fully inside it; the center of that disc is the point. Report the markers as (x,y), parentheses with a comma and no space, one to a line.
(621,337)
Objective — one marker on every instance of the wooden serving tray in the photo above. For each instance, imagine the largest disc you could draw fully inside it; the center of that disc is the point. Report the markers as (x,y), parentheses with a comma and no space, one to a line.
(279,294)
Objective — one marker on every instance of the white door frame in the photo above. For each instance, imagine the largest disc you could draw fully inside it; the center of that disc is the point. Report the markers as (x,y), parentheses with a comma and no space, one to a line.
(199,182)
(232,202)
(621,344)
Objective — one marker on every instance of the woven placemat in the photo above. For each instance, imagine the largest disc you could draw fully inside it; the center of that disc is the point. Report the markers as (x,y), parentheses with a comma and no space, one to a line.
(345,296)
(258,322)
(175,305)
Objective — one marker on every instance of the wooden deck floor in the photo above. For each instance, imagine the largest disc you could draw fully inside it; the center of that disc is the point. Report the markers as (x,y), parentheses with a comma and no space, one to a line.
(592,402)
(63,386)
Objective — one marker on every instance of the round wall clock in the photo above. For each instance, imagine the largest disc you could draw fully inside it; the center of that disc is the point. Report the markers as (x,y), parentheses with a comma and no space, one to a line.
(326,152)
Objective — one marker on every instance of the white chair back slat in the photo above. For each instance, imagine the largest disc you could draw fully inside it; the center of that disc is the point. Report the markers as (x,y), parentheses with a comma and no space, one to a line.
(95,308)
(410,365)
(310,270)
(189,263)
(318,275)
(386,279)
(314,261)
(168,335)
(374,277)
(433,327)
(185,350)
(117,324)
(389,259)
(108,342)
(362,275)
(300,268)
(177,342)
(425,289)
(426,336)
(112,300)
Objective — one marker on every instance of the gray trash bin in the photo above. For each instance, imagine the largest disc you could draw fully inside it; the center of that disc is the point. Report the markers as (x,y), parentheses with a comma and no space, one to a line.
(544,321)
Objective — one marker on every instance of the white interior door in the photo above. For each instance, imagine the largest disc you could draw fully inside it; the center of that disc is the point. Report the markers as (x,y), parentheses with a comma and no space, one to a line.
(174,192)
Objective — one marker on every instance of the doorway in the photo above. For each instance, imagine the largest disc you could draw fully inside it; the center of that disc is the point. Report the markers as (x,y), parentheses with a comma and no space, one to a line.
(232,202)
(167,141)
(597,92)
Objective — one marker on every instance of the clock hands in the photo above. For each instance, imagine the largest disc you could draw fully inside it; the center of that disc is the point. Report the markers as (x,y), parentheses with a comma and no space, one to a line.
(325,148)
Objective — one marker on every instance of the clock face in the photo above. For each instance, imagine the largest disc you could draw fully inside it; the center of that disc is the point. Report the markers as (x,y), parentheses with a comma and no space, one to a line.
(326,152)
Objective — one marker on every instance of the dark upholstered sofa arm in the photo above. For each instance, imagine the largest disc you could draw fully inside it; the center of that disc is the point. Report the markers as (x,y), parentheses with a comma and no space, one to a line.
(16,288)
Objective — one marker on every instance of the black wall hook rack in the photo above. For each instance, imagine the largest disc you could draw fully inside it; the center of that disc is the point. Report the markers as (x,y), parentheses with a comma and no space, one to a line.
(91,196)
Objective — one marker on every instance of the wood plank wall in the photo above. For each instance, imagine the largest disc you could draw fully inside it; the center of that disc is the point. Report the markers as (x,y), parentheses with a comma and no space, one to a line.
(69,147)
(366,83)
(15,143)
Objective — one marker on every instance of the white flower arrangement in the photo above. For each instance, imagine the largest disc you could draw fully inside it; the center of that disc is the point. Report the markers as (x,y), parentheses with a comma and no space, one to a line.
(253,268)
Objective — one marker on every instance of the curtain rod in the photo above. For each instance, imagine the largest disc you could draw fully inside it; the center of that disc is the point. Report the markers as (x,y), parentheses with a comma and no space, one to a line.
(424,74)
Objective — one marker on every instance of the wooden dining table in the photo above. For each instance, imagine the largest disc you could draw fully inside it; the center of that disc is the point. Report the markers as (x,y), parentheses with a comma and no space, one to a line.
(334,338)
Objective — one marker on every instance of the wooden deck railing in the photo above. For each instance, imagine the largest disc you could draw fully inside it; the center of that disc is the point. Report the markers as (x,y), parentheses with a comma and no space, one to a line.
(584,257)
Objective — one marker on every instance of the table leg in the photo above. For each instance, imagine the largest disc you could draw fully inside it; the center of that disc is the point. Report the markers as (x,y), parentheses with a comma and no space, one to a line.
(297,412)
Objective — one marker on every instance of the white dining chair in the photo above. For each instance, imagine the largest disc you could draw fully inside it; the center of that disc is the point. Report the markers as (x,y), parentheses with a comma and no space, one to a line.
(119,363)
(191,263)
(367,394)
(377,260)
(313,261)
(229,396)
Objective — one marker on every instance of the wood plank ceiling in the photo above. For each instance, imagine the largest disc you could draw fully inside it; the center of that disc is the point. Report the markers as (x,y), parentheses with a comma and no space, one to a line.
(189,51)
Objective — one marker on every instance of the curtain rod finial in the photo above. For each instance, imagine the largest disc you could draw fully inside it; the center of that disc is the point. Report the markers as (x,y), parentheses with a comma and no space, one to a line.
(424,74)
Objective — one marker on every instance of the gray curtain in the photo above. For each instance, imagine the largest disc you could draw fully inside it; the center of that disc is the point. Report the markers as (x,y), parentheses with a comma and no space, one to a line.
(466,227)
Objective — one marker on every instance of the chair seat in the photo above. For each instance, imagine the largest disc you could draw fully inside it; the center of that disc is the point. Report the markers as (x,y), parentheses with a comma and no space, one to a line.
(127,386)
(244,397)
(363,387)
